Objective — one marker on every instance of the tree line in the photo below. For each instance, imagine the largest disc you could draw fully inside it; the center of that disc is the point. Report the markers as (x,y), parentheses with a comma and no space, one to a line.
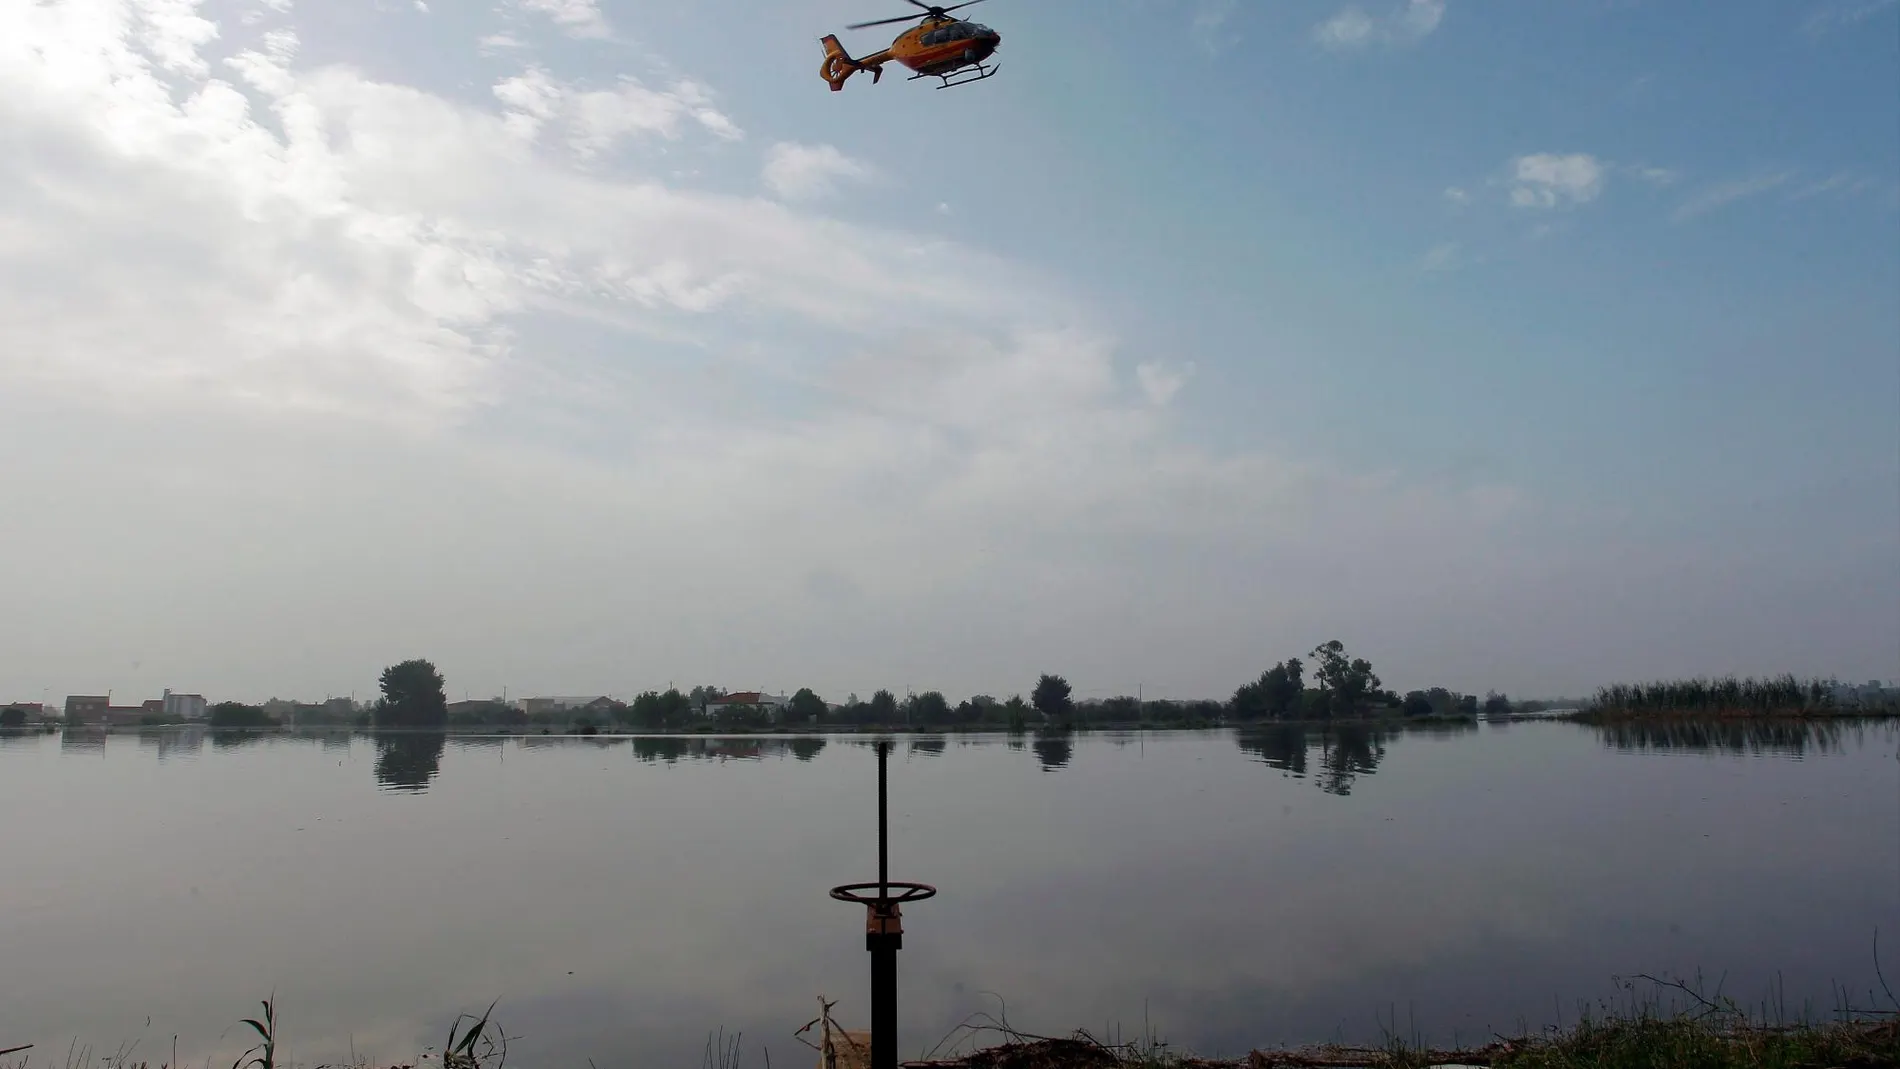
(1339,686)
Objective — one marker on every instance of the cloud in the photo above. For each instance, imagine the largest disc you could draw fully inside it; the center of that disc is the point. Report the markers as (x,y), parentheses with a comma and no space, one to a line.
(808,172)
(594,120)
(1842,14)
(1159,383)
(1656,176)
(1851,184)
(580,18)
(1209,22)
(1457,196)
(1547,180)
(1445,256)
(1353,28)
(1723,194)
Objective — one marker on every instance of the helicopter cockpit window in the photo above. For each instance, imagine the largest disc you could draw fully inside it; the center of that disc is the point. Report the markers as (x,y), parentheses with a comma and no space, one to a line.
(956,31)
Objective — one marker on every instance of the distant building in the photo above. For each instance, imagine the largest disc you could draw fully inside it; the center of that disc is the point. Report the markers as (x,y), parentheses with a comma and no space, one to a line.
(591,704)
(128,716)
(184,706)
(772,705)
(84,709)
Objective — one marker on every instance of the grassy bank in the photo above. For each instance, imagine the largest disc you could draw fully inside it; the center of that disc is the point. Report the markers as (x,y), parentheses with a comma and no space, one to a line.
(1714,1035)
(1641,1042)
(1780,697)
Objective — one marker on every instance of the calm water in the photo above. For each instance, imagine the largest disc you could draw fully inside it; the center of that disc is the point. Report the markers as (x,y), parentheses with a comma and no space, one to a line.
(624,898)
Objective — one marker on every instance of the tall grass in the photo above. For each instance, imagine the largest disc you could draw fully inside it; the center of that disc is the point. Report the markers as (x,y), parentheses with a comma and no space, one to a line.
(1774,696)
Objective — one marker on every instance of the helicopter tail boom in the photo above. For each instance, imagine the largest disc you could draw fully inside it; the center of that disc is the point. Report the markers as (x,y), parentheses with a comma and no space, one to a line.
(839,65)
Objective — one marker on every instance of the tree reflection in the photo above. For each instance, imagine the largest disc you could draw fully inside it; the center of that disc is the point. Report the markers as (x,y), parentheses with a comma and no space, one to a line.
(234,738)
(928,745)
(407,762)
(804,748)
(1054,749)
(652,748)
(1282,746)
(1346,751)
(1737,736)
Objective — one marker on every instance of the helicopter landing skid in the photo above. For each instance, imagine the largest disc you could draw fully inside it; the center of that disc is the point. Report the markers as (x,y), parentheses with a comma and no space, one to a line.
(975,72)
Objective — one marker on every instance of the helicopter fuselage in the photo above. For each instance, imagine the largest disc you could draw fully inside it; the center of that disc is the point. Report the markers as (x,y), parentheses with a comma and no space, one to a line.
(940,46)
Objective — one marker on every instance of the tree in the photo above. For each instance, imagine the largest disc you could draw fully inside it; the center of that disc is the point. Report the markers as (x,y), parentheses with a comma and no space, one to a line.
(1468,705)
(1416,704)
(1016,714)
(412,696)
(806,707)
(12,717)
(1051,699)
(1344,682)
(930,708)
(238,715)
(1496,704)
(883,708)
(1281,686)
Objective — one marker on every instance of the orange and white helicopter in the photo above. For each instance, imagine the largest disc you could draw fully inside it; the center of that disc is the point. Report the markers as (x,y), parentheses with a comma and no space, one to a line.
(942,47)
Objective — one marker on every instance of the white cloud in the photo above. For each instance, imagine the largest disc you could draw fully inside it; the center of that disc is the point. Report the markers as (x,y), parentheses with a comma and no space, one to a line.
(1445,256)
(1457,196)
(1547,180)
(1723,194)
(1842,14)
(580,18)
(1408,24)
(595,119)
(1209,25)
(499,42)
(808,172)
(1159,382)
(1657,176)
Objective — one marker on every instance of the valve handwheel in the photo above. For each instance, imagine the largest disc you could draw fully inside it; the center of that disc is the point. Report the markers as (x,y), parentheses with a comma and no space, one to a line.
(908,892)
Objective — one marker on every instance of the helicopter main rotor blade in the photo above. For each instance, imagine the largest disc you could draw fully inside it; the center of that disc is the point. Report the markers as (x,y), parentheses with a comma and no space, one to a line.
(882,22)
(966,3)
(917,3)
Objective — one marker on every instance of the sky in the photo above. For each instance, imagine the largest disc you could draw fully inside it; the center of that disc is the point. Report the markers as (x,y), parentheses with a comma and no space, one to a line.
(588,346)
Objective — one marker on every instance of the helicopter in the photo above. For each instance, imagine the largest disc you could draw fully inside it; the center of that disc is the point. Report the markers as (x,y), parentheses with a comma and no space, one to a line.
(950,49)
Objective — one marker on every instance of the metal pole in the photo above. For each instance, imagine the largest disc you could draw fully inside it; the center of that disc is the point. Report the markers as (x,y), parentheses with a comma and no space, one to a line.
(883,945)
(883,824)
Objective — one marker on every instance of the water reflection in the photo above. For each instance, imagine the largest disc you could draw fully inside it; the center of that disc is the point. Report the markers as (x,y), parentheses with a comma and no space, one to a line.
(928,746)
(1054,749)
(408,762)
(674,748)
(73,743)
(174,742)
(1758,738)
(1281,746)
(1346,751)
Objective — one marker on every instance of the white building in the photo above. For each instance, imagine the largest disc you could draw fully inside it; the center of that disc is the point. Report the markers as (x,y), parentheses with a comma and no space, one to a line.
(184,706)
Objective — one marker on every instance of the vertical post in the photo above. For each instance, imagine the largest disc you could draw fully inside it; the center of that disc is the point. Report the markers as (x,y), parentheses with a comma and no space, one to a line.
(883,824)
(883,944)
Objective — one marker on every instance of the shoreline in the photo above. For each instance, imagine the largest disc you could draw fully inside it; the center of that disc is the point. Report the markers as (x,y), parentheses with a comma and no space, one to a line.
(1590,718)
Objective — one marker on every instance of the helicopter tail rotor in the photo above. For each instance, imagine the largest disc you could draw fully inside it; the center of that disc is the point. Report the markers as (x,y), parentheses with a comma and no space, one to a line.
(839,65)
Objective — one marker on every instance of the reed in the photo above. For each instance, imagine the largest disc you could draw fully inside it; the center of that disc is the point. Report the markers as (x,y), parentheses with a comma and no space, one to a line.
(1784,696)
